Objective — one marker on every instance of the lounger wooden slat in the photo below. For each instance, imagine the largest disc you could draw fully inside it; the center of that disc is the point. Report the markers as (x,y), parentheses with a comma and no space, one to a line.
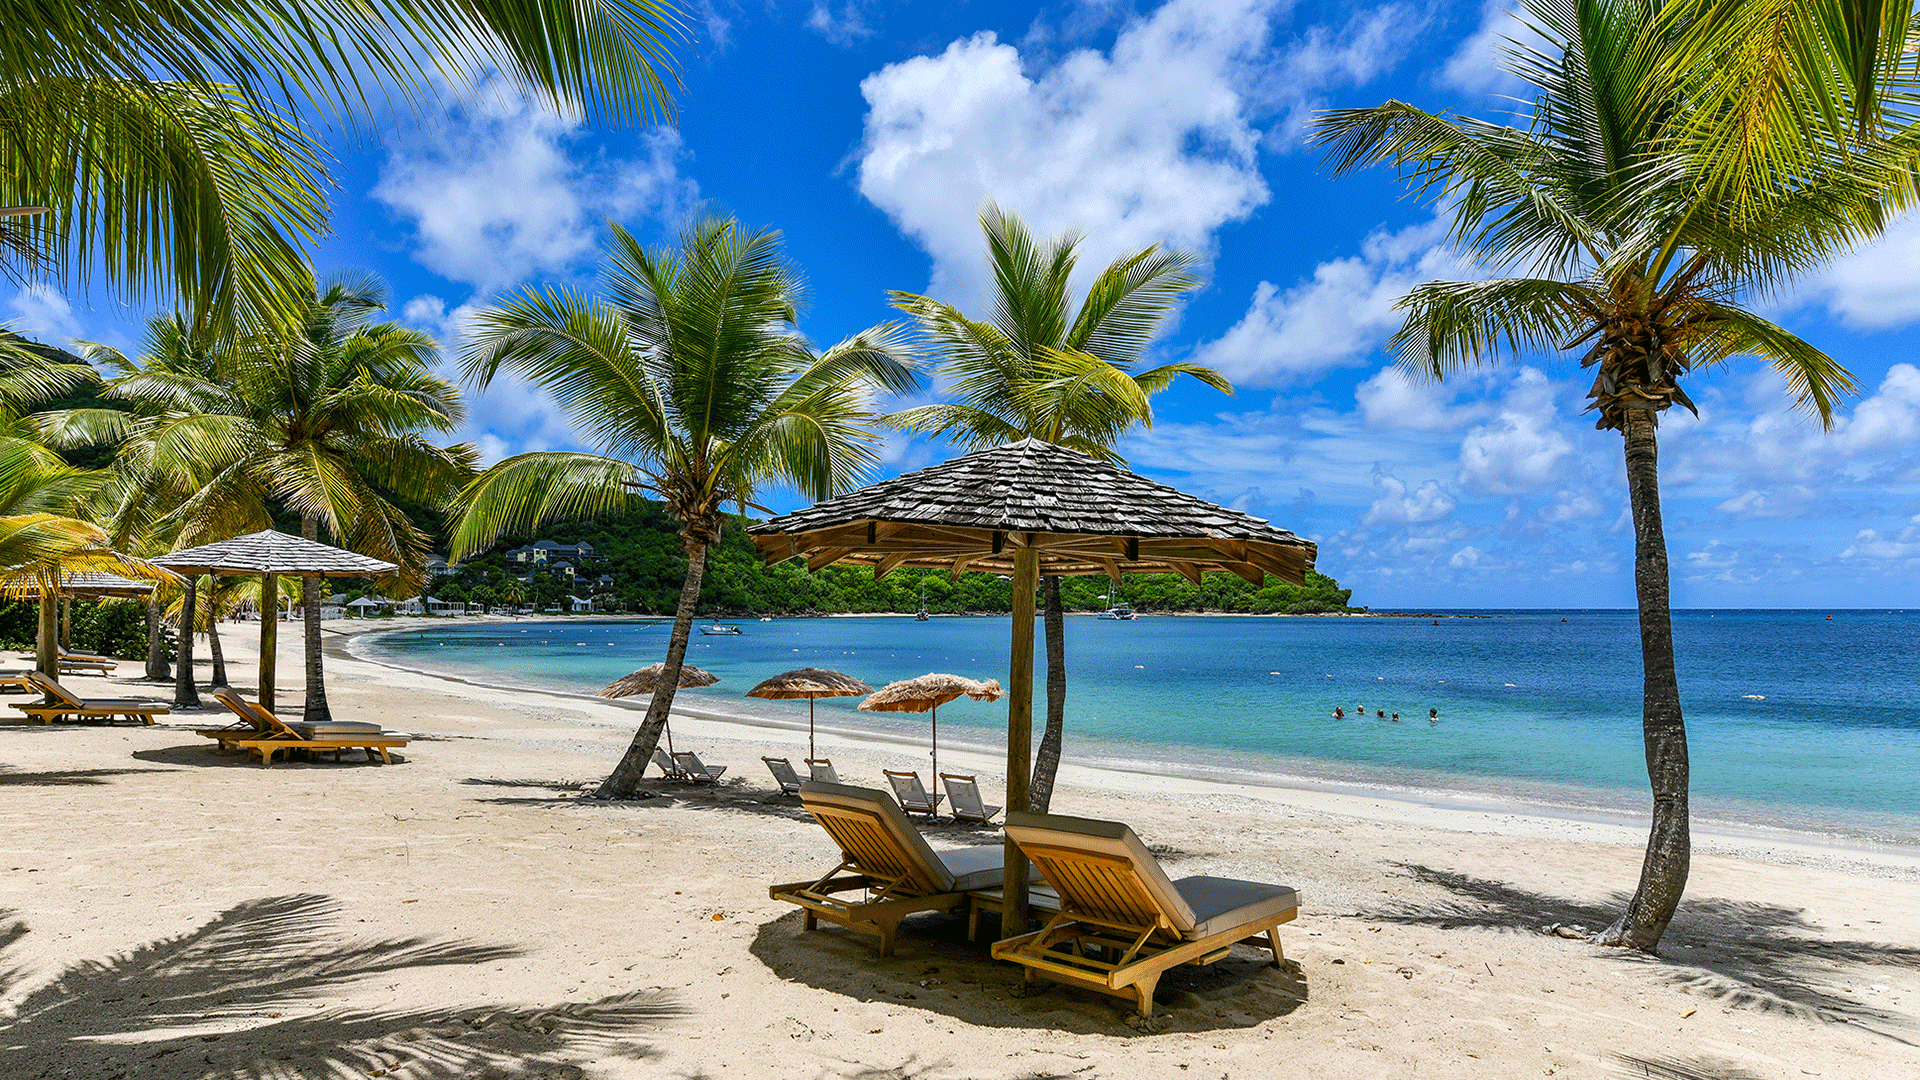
(261,732)
(883,860)
(62,703)
(1121,923)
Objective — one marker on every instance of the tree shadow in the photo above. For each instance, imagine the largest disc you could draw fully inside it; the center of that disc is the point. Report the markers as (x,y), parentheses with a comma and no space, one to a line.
(241,997)
(203,755)
(1745,954)
(1639,1068)
(10,777)
(936,969)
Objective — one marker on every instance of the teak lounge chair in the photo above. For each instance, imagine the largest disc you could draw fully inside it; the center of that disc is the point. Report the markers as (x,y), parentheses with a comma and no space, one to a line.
(783,774)
(963,798)
(62,702)
(273,735)
(912,793)
(887,862)
(1115,898)
(696,770)
(72,663)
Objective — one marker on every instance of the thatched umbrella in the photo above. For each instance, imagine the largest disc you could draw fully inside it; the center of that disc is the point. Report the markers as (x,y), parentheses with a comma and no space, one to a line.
(269,554)
(1025,509)
(926,694)
(810,683)
(648,680)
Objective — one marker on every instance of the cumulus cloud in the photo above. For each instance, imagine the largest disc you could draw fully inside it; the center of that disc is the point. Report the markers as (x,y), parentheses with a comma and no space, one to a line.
(1391,400)
(1875,287)
(499,195)
(1868,544)
(1397,506)
(1475,65)
(1520,450)
(842,24)
(1338,316)
(41,314)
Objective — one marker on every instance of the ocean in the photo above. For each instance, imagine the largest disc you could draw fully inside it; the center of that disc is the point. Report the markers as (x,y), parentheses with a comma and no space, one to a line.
(1800,720)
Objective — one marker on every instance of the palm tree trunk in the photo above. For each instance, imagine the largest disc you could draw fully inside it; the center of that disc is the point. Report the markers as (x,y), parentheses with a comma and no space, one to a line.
(185,696)
(1663,876)
(46,650)
(625,779)
(213,633)
(157,667)
(316,710)
(1047,761)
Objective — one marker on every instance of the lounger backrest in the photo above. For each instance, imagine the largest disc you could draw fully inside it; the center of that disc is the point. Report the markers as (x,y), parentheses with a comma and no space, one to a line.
(1100,869)
(53,689)
(690,763)
(875,836)
(908,789)
(821,770)
(241,708)
(783,773)
(963,795)
(664,763)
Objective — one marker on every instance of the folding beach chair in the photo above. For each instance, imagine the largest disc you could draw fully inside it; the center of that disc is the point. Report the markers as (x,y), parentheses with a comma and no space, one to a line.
(821,770)
(963,799)
(1122,923)
(886,862)
(783,774)
(62,702)
(912,793)
(668,770)
(696,770)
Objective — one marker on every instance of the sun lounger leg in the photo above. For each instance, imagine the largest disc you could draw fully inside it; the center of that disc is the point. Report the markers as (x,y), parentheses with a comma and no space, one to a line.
(1273,940)
(1143,995)
(887,929)
(812,922)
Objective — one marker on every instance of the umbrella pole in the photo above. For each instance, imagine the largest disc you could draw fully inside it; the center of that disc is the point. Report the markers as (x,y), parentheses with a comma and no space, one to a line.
(810,753)
(269,631)
(936,748)
(1026,578)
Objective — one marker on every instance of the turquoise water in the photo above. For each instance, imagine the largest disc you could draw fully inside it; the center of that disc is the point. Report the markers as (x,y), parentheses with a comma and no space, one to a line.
(1795,720)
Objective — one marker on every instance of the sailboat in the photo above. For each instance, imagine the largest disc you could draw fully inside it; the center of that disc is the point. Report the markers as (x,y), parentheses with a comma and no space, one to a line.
(1120,612)
(922,617)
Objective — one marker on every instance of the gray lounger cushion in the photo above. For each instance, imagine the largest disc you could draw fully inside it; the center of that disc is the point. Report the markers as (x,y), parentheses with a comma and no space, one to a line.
(1220,903)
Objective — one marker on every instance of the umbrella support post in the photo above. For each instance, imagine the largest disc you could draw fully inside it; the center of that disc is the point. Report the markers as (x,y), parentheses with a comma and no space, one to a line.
(1026,578)
(269,636)
(810,754)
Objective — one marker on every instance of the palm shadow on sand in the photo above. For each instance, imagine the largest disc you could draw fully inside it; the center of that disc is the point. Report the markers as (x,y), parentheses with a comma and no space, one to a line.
(1743,954)
(242,996)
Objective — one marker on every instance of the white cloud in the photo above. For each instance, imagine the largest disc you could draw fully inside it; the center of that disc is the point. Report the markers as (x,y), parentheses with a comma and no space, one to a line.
(844,26)
(1869,544)
(1475,65)
(43,315)
(1392,401)
(1877,286)
(1519,451)
(1396,506)
(497,196)
(1337,317)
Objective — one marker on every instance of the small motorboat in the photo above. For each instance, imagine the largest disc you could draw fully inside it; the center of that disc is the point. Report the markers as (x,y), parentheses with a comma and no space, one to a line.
(720,629)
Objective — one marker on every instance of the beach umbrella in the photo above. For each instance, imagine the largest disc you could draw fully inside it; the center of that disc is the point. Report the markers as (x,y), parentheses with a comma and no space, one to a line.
(926,694)
(810,683)
(1025,509)
(648,679)
(94,585)
(269,554)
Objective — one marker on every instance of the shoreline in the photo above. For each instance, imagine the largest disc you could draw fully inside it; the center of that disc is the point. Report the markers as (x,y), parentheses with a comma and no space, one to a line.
(1389,802)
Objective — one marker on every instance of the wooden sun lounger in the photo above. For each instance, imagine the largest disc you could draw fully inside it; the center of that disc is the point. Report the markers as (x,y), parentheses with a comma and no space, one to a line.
(883,860)
(16,680)
(1121,922)
(271,736)
(62,703)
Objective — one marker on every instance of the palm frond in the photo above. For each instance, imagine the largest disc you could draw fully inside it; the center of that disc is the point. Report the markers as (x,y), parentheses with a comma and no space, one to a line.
(529,490)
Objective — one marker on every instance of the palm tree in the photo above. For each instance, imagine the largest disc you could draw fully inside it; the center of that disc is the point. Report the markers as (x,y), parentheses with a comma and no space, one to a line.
(167,138)
(694,382)
(1636,227)
(1039,370)
(327,419)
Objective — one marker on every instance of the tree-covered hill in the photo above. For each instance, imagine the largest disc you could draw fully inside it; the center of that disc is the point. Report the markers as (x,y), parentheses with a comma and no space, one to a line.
(641,555)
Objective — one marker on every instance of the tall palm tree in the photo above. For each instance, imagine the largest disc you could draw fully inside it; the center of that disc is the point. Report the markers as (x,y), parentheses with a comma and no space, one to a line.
(1039,370)
(1637,229)
(167,139)
(693,380)
(328,418)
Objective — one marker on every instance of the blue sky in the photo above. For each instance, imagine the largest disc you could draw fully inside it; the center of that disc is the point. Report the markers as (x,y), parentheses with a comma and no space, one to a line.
(870,132)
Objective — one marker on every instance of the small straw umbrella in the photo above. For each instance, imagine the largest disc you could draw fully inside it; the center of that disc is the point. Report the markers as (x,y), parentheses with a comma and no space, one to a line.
(810,683)
(926,694)
(647,680)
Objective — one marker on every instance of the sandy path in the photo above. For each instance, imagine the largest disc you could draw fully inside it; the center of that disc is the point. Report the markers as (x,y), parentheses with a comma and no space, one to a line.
(174,913)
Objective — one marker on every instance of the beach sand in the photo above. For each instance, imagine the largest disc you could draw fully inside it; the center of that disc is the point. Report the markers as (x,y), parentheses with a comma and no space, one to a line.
(168,912)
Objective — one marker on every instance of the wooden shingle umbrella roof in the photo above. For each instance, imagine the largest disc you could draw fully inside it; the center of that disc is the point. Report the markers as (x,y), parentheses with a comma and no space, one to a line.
(1083,515)
(1026,509)
(89,584)
(810,683)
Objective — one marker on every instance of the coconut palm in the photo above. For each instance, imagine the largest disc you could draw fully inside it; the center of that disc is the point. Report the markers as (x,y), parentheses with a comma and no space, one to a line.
(167,140)
(1040,370)
(328,419)
(693,380)
(1637,232)
(38,550)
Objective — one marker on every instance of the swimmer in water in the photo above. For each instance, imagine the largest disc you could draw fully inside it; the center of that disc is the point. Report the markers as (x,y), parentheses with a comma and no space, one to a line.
(1339,713)
(1433,716)
(1396,718)
(1360,710)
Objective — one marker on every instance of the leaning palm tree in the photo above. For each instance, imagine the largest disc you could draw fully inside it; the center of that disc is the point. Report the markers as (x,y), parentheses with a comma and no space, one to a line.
(694,382)
(1637,235)
(1040,370)
(328,419)
(168,140)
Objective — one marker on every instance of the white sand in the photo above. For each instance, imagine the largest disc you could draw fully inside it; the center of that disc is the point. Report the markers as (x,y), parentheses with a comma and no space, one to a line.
(174,913)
